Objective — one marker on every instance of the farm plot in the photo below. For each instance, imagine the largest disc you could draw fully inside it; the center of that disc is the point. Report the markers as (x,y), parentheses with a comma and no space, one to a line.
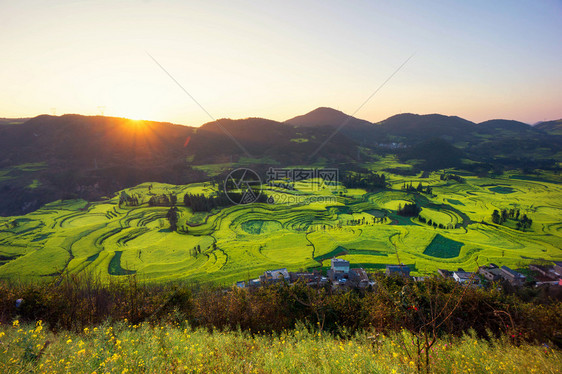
(240,242)
(443,247)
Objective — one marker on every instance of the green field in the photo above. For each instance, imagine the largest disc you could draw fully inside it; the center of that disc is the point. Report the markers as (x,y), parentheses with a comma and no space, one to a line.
(240,242)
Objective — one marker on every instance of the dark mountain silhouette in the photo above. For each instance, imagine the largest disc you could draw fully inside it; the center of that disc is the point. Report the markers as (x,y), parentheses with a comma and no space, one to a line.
(361,131)
(513,143)
(326,117)
(266,138)
(414,127)
(509,125)
(85,141)
(87,157)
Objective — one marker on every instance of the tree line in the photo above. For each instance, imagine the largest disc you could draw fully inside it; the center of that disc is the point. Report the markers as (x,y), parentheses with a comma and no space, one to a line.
(364,179)
(449,176)
(409,210)
(523,222)
(202,203)
(420,188)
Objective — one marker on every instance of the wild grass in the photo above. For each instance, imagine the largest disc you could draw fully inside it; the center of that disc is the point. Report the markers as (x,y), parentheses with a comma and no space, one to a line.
(164,348)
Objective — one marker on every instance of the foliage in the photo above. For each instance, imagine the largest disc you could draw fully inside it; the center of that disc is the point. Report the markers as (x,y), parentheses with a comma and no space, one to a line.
(172,217)
(73,303)
(522,222)
(451,176)
(409,210)
(364,179)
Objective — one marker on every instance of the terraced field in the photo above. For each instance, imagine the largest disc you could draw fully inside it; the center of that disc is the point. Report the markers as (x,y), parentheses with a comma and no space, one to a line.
(298,231)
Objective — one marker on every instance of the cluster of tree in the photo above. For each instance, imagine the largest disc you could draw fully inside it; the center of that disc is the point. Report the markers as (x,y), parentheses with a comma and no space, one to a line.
(523,222)
(409,210)
(435,224)
(128,200)
(419,188)
(202,203)
(449,176)
(364,179)
(163,200)
(364,221)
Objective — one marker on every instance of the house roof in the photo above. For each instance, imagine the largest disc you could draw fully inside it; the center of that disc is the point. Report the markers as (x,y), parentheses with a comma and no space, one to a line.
(512,272)
(359,271)
(275,273)
(339,262)
(495,271)
(462,274)
(397,268)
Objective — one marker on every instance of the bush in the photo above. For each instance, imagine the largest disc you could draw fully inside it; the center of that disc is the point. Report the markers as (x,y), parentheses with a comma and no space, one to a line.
(75,302)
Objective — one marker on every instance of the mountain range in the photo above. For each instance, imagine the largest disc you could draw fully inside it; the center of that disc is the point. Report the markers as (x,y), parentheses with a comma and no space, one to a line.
(48,157)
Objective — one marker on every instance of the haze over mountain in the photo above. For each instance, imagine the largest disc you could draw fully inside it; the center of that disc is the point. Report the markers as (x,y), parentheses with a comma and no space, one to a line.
(88,157)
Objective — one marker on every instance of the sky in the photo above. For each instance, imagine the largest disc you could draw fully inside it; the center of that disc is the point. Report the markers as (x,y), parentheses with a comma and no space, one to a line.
(210,59)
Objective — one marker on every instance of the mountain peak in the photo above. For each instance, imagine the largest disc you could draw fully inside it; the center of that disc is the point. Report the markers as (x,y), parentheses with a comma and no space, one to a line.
(325,116)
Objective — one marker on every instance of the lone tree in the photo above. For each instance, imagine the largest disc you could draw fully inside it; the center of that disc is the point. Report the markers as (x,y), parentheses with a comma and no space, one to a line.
(172,216)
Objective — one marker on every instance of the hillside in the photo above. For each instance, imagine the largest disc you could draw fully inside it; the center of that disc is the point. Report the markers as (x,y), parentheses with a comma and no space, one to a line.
(413,127)
(263,138)
(91,141)
(503,124)
(436,154)
(551,127)
(49,157)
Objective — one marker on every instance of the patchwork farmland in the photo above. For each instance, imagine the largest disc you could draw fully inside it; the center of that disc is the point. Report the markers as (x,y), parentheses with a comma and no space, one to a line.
(242,241)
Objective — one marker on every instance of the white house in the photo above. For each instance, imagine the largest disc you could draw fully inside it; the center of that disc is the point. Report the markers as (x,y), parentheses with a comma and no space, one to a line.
(462,276)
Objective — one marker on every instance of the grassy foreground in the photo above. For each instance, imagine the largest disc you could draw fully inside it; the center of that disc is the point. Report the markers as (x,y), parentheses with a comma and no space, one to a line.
(122,347)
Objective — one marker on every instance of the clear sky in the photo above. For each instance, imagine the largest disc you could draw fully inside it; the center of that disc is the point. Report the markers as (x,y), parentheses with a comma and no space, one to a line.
(277,59)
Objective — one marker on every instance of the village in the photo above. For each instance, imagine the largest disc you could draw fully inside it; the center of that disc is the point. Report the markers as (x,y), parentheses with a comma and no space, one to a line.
(341,276)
